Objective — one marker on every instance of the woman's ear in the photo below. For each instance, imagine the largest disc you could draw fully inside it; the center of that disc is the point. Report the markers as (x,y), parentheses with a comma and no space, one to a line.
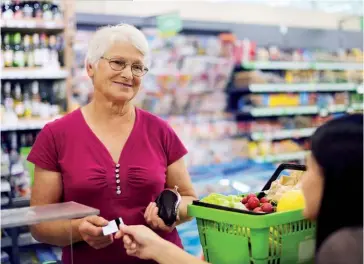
(90,69)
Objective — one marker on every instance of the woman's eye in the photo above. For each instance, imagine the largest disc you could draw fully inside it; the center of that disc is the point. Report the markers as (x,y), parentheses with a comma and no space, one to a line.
(119,62)
(138,67)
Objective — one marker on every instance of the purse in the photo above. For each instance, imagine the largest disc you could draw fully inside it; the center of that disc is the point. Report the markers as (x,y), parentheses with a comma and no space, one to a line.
(168,202)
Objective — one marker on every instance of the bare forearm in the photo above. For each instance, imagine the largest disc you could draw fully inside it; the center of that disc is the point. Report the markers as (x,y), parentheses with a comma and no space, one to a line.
(171,254)
(57,233)
(183,215)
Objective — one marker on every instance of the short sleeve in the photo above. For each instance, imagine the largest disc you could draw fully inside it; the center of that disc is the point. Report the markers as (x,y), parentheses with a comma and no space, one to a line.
(44,152)
(174,147)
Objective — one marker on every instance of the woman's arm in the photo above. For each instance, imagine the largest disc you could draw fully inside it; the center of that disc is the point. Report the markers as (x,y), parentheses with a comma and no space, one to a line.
(47,189)
(177,175)
(141,242)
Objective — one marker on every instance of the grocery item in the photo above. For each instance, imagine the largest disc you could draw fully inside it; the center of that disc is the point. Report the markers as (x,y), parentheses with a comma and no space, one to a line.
(283,185)
(291,200)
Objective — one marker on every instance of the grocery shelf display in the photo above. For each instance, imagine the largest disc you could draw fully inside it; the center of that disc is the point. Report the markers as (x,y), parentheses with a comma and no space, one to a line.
(35,75)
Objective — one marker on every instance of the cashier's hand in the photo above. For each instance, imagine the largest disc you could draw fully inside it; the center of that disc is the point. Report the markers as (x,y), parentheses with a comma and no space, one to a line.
(154,221)
(140,241)
(91,232)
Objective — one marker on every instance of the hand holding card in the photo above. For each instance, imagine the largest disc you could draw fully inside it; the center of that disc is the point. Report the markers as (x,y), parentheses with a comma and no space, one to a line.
(113,226)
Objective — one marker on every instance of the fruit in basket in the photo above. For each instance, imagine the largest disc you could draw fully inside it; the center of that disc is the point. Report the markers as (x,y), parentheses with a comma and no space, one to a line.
(267,208)
(264,200)
(258,210)
(291,200)
(245,200)
(251,195)
(253,203)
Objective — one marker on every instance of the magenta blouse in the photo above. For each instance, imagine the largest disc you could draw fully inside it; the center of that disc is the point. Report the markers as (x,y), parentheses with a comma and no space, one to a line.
(91,177)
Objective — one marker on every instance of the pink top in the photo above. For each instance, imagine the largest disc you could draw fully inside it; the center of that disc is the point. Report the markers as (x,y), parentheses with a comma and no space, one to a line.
(90,176)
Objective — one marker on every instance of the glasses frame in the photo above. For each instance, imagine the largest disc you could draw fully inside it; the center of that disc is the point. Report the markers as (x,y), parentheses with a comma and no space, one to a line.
(145,69)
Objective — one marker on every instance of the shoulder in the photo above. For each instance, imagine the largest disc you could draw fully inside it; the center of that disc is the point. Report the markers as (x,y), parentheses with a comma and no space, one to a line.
(153,121)
(64,123)
(343,246)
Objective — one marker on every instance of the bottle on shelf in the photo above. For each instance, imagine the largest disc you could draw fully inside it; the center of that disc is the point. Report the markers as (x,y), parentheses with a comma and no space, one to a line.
(18,101)
(17,9)
(7,10)
(37,51)
(28,52)
(37,9)
(8,50)
(19,60)
(28,10)
(35,98)
(47,11)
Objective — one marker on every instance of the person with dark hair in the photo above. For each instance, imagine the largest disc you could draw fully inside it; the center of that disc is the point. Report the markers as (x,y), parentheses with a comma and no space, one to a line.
(333,190)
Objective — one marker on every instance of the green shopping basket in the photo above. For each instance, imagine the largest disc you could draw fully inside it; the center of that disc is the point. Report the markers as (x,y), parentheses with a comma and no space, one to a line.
(234,236)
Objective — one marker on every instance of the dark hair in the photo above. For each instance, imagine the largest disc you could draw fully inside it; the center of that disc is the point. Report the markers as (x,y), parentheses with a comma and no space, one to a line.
(337,147)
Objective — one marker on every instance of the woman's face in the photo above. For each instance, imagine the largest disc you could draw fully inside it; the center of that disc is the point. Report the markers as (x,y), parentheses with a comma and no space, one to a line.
(117,86)
(312,187)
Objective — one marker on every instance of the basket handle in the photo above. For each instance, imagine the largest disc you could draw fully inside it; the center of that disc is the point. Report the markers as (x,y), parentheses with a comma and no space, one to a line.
(282,167)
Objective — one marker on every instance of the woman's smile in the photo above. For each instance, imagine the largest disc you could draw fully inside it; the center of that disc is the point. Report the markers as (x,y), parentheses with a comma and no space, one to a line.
(123,85)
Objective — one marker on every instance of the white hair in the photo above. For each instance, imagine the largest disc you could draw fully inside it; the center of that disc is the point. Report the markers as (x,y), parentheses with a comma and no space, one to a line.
(105,37)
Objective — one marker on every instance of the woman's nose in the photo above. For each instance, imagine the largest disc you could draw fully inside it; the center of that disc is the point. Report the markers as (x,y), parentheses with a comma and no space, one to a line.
(127,73)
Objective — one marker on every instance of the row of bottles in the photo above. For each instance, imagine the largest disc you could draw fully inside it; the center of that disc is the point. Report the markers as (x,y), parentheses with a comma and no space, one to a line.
(14,148)
(32,99)
(16,9)
(36,50)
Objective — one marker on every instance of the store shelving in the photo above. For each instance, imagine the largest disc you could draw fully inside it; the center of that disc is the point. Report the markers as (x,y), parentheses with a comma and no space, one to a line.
(34,73)
(289,156)
(302,87)
(29,24)
(295,110)
(282,134)
(299,65)
(26,124)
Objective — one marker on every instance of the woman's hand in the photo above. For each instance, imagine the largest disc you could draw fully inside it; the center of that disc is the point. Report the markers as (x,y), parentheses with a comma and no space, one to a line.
(140,241)
(154,221)
(91,231)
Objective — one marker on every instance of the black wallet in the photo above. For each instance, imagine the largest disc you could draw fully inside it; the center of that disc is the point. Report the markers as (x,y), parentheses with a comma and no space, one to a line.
(168,202)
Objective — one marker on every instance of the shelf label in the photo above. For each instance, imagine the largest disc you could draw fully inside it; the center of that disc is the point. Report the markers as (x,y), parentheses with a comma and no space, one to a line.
(169,24)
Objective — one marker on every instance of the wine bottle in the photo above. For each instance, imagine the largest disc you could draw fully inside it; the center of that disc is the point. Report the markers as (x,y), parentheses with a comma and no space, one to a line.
(37,9)
(37,53)
(56,11)
(35,98)
(18,101)
(44,49)
(28,10)
(7,10)
(8,51)
(18,9)
(18,51)
(28,52)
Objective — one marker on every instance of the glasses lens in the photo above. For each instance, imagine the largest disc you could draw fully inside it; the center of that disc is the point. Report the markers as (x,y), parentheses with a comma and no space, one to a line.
(138,70)
(117,65)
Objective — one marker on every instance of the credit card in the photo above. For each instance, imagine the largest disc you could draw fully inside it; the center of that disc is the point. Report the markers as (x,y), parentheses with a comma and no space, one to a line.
(112,227)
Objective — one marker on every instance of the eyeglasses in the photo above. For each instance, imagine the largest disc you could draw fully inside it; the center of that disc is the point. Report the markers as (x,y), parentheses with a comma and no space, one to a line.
(137,70)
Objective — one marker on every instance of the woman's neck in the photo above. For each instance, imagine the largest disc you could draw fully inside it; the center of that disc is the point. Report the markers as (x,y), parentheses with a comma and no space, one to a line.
(110,111)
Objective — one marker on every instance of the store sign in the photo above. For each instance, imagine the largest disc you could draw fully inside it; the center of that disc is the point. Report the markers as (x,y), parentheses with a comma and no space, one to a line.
(169,24)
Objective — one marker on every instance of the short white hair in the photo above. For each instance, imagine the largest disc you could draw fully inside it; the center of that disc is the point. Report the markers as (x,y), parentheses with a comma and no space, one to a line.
(105,37)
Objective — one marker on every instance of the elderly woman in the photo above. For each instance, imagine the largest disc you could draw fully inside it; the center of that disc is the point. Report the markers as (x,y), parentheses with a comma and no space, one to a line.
(109,155)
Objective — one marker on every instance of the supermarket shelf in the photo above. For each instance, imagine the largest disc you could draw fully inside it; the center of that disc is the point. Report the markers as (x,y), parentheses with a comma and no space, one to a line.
(300,155)
(289,65)
(25,239)
(282,134)
(33,73)
(28,124)
(24,24)
(5,186)
(294,110)
(303,87)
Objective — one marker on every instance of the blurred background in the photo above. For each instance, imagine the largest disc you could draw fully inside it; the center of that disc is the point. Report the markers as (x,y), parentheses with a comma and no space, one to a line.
(243,83)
